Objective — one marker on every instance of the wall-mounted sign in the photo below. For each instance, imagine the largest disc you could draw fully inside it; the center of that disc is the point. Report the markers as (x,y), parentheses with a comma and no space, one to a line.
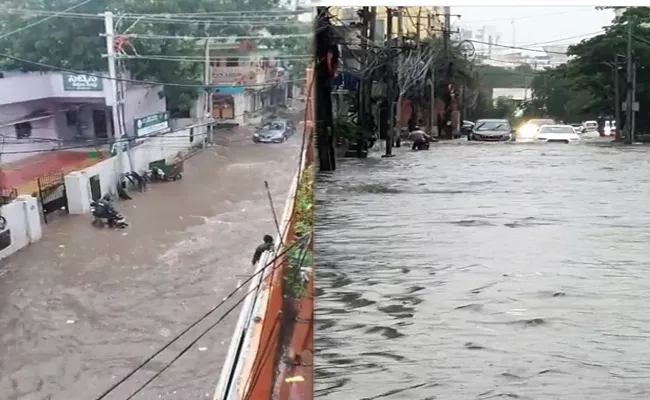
(82,83)
(151,124)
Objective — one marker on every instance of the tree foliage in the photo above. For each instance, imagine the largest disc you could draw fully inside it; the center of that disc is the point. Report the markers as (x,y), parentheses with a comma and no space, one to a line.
(76,42)
(585,86)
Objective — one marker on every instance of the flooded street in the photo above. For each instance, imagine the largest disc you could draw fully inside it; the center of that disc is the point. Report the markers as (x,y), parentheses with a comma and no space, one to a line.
(84,306)
(483,271)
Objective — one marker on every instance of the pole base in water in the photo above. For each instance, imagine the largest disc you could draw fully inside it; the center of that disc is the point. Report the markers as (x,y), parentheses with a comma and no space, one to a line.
(387,155)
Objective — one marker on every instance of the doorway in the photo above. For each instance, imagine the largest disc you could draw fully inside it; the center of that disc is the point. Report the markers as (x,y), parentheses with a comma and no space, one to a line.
(100,124)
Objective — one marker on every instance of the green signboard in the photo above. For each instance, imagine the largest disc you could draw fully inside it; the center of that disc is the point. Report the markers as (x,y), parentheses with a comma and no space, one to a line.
(151,124)
(82,83)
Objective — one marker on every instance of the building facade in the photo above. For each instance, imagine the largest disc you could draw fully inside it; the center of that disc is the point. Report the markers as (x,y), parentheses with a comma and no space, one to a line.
(416,21)
(246,79)
(49,110)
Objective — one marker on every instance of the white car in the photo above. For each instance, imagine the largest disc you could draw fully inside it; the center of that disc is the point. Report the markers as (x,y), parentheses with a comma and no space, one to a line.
(590,126)
(557,134)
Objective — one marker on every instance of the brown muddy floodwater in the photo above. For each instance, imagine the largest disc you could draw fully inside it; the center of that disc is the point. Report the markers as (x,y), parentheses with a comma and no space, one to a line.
(82,307)
(485,271)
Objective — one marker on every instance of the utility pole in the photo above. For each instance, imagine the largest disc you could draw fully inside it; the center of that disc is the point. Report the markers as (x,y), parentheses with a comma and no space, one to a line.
(390,84)
(629,107)
(207,111)
(447,111)
(400,43)
(447,31)
(432,89)
(447,126)
(363,87)
(325,52)
(617,100)
(118,133)
(372,32)
(633,125)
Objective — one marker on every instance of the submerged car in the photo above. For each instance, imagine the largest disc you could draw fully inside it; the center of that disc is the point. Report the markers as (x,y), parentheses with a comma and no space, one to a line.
(491,130)
(276,131)
(530,128)
(557,134)
(466,128)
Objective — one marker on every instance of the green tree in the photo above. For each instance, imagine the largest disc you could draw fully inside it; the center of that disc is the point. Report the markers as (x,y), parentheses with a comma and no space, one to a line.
(590,69)
(75,43)
(554,96)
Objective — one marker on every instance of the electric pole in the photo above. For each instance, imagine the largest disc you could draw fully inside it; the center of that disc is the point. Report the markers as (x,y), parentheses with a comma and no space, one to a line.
(118,132)
(207,111)
(447,126)
(326,59)
(629,106)
(617,100)
(363,86)
(390,84)
(633,125)
(400,43)
(432,89)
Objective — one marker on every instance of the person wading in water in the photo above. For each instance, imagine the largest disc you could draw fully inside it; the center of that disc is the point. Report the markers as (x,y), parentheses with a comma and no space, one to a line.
(420,139)
(266,246)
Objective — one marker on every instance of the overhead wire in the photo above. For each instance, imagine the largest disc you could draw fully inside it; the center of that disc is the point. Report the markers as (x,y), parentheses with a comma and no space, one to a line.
(136,81)
(216,38)
(517,47)
(194,324)
(56,14)
(278,254)
(203,59)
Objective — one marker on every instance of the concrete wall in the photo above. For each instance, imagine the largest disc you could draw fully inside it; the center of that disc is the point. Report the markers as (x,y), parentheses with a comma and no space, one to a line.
(24,221)
(142,101)
(153,148)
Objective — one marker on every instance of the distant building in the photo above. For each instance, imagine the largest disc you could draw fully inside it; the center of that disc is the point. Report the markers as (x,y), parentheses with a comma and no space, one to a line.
(429,22)
(517,95)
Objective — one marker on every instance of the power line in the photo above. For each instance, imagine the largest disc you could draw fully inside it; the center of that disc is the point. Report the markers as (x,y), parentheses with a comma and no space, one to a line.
(56,14)
(565,38)
(276,257)
(203,59)
(517,47)
(532,16)
(136,81)
(202,318)
(215,38)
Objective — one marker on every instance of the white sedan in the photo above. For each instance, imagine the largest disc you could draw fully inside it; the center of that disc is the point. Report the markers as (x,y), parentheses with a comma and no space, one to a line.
(557,134)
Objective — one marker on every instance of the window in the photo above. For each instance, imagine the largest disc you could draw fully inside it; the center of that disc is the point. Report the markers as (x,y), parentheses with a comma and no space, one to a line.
(232,62)
(71,117)
(23,130)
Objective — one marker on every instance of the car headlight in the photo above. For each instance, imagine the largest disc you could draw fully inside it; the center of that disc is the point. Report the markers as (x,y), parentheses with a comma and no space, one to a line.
(256,135)
(527,130)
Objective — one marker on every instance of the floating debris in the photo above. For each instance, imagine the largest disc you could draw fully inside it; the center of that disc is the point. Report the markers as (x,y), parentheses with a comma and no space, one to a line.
(295,379)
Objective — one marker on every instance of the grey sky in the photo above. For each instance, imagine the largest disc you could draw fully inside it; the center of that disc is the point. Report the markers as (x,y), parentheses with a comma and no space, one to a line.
(536,24)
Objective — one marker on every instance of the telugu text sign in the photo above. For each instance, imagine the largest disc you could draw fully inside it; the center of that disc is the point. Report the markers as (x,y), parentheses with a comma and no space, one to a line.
(82,83)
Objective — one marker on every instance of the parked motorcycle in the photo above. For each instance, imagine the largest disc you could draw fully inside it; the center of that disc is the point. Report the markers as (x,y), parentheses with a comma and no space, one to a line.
(105,215)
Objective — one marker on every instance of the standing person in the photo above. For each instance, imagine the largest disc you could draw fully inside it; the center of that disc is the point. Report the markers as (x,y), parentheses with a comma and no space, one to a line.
(266,246)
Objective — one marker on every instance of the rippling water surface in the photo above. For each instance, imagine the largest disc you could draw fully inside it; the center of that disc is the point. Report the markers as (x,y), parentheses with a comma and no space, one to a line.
(479,271)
